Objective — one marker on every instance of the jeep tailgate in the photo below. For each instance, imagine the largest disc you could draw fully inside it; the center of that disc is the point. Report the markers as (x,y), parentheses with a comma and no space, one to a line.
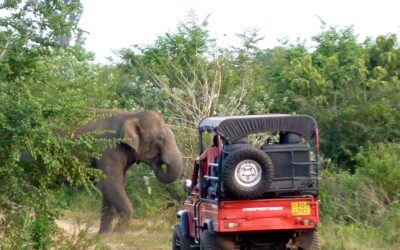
(268,214)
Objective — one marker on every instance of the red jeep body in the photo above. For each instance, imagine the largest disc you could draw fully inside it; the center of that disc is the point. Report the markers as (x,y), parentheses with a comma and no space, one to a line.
(257,215)
(284,215)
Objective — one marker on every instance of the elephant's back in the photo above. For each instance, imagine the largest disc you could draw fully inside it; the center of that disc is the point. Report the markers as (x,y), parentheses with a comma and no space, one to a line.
(110,120)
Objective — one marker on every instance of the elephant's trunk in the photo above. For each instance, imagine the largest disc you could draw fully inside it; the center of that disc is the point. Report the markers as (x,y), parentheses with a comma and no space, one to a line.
(168,172)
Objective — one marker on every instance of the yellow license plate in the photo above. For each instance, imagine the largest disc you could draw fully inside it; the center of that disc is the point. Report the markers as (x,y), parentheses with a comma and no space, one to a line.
(301,208)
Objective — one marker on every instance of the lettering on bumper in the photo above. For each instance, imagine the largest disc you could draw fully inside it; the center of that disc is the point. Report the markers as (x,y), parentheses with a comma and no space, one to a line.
(256,209)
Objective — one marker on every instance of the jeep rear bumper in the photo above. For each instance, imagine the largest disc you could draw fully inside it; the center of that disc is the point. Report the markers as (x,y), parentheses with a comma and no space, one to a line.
(267,214)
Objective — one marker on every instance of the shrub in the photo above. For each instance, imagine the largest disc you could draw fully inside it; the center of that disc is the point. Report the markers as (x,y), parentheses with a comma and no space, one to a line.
(150,197)
(380,164)
(359,210)
(349,198)
(38,148)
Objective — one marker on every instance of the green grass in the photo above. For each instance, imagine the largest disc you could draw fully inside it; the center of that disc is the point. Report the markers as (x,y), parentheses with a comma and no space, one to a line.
(143,234)
(338,236)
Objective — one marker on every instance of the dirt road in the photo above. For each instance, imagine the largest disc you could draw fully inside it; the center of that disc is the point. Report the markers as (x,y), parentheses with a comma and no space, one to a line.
(142,234)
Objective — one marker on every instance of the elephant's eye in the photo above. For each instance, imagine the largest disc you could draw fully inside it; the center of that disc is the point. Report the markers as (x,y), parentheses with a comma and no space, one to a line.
(161,137)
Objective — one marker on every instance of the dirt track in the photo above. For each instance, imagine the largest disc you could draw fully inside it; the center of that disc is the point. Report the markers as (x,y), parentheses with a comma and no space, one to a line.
(143,234)
(71,227)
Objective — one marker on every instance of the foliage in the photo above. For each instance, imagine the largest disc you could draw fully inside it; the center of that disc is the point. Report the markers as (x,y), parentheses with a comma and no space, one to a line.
(46,86)
(185,77)
(346,85)
(338,235)
(367,199)
(349,87)
(42,22)
(359,205)
(36,120)
(379,164)
(29,29)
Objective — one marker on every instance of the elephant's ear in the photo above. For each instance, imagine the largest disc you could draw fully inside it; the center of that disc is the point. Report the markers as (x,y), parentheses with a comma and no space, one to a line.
(130,134)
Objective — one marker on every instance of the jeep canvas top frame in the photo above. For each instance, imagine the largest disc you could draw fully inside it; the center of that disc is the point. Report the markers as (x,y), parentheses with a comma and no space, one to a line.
(234,127)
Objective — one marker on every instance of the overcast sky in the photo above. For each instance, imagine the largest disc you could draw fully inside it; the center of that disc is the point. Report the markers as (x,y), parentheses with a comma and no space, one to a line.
(120,23)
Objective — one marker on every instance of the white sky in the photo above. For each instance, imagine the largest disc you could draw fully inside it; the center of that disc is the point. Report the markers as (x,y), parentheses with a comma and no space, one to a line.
(120,23)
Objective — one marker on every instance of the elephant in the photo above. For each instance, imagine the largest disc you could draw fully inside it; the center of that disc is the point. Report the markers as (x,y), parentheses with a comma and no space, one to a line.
(145,137)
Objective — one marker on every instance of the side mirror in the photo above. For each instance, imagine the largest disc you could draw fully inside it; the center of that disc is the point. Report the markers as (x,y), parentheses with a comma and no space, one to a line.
(187,186)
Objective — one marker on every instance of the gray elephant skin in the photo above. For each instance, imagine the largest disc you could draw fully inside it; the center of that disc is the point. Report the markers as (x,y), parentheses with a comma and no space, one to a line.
(145,138)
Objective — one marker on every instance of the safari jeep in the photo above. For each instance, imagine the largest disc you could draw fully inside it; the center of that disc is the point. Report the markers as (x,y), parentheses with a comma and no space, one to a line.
(247,196)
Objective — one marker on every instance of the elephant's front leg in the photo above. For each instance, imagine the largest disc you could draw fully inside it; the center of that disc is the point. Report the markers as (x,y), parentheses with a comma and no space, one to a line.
(123,206)
(113,163)
(115,199)
(107,214)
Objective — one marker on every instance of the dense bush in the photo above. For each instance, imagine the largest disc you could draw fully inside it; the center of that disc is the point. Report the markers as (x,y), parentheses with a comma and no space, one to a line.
(349,87)
(350,198)
(38,149)
(367,200)
(379,164)
(46,82)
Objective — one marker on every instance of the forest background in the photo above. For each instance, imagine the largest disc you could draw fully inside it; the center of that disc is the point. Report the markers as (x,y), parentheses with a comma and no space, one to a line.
(48,78)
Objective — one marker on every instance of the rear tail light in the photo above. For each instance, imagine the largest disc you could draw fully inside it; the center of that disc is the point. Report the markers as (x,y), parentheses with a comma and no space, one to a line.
(231,225)
(305,222)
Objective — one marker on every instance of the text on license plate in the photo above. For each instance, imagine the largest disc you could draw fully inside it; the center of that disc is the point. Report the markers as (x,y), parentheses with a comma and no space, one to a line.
(301,208)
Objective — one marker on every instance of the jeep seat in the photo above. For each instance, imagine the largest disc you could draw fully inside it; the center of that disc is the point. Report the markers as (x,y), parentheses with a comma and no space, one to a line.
(239,143)
(289,151)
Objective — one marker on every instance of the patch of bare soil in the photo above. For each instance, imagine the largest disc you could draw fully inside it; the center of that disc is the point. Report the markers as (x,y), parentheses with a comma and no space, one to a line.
(142,234)
(74,227)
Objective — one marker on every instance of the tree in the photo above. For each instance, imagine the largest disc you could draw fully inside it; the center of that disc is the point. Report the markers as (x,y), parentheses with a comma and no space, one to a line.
(45,88)
(33,28)
(187,77)
(346,85)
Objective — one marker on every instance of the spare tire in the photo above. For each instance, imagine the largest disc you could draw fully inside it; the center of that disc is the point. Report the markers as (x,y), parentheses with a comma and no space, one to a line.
(247,173)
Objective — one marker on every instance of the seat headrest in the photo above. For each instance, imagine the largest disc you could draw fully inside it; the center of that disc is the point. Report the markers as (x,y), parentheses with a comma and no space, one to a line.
(241,140)
(290,138)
